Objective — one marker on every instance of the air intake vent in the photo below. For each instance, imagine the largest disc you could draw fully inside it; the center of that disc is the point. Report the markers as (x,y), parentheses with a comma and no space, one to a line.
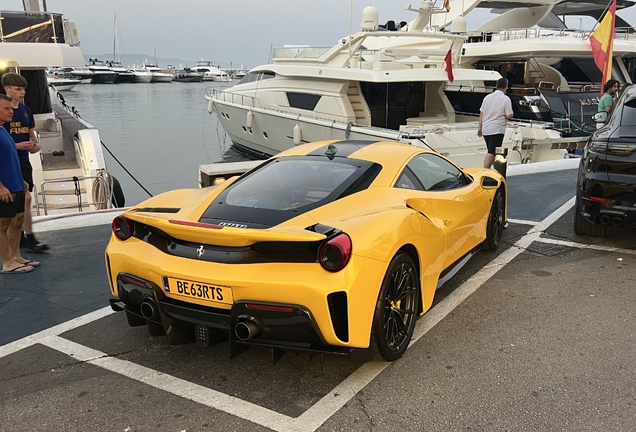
(339,317)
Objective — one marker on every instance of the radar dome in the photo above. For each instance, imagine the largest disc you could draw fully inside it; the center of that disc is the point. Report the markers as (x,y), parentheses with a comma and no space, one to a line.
(458,25)
(370,18)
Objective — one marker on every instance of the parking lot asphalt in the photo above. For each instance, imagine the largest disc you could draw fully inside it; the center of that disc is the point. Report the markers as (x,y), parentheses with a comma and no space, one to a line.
(537,336)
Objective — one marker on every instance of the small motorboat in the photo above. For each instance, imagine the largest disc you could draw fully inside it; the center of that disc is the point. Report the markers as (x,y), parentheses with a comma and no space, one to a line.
(62,84)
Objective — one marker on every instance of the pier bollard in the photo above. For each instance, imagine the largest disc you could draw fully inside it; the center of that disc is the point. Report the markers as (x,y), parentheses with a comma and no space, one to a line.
(501,161)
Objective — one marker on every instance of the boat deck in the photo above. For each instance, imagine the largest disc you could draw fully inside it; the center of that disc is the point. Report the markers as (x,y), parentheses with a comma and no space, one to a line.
(536,336)
(70,126)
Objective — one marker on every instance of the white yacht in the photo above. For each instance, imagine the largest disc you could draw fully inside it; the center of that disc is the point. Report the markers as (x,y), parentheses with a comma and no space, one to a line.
(69,172)
(82,74)
(123,74)
(157,74)
(372,85)
(211,72)
(550,67)
(60,82)
(140,75)
(101,72)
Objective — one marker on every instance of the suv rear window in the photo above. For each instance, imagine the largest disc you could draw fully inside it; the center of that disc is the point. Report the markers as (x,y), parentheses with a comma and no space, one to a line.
(629,113)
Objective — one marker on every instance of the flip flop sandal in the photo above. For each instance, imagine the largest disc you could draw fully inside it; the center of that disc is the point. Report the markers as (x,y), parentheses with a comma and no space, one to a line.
(17,270)
(33,264)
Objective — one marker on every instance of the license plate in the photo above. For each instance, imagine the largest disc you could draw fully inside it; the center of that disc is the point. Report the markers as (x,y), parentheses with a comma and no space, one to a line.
(197,290)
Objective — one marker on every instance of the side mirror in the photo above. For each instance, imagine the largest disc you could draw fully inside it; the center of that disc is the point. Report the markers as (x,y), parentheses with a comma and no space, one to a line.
(489,183)
(600,117)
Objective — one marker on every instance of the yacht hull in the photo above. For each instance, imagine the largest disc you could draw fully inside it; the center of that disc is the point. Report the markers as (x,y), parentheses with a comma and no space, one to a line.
(273,132)
(162,79)
(141,78)
(104,78)
(188,78)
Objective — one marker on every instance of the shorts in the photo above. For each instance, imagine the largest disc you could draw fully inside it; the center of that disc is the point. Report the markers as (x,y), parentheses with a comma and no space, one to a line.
(27,173)
(10,209)
(493,141)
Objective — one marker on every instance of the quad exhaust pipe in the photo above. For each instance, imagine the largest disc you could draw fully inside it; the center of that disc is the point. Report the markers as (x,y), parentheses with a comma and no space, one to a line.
(246,330)
(617,221)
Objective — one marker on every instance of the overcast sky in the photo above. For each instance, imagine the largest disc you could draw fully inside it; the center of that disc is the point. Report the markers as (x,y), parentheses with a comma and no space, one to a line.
(224,31)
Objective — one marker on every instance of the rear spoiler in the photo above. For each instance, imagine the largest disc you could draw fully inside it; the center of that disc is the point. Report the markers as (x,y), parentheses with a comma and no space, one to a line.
(223,235)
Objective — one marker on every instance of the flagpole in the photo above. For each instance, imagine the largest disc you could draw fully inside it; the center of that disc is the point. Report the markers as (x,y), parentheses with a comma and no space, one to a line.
(598,21)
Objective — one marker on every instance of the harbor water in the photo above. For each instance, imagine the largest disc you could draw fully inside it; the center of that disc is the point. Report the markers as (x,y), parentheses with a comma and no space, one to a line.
(160,132)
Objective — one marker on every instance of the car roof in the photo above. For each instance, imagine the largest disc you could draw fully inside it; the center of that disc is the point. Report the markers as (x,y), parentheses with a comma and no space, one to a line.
(389,154)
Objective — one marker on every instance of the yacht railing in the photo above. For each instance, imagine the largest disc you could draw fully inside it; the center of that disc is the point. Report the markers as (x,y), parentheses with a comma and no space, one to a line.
(31,27)
(624,33)
(104,193)
(235,98)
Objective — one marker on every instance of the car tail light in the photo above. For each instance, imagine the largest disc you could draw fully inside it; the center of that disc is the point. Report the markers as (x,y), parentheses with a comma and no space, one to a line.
(597,199)
(123,228)
(621,148)
(598,146)
(334,253)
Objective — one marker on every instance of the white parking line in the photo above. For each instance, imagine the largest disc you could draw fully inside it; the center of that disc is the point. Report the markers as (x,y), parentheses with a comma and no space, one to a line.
(320,412)
(586,246)
(523,222)
(35,338)
(169,383)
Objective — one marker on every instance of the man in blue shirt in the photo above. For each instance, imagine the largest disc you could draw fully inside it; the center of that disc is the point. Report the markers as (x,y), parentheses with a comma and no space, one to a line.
(22,130)
(12,192)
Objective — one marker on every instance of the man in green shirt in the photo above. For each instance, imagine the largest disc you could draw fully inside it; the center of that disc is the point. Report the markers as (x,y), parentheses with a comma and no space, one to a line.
(607,100)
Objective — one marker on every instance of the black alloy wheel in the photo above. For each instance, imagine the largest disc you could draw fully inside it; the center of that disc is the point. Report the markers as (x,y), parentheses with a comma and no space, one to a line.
(495,226)
(583,226)
(396,309)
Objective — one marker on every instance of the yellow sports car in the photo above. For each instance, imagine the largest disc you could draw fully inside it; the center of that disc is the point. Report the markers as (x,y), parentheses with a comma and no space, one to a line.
(334,246)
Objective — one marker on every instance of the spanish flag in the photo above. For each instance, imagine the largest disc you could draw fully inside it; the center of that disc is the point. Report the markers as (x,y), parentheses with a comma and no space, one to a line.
(447,5)
(448,64)
(602,41)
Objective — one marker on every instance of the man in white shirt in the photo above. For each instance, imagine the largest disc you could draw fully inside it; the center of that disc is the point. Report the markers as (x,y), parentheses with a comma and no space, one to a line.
(494,113)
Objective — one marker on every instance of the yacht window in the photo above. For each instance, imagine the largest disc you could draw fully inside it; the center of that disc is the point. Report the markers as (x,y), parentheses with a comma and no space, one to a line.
(303,100)
(250,77)
(436,173)
(268,75)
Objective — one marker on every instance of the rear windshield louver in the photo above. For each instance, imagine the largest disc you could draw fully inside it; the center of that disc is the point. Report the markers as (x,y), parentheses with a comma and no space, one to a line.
(157,210)
(339,316)
(261,252)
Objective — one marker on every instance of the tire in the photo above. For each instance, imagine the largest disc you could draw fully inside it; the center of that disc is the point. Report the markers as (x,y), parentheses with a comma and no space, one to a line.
(583,226)
(396,309)
(495,224)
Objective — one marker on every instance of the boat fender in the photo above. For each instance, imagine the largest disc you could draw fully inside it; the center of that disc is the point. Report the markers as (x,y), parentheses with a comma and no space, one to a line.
(118,194)
(298,134)
(210,107)
(249,122)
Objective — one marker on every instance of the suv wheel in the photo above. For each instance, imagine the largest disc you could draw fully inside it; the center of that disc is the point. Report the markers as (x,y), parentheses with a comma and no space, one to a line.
(584,227)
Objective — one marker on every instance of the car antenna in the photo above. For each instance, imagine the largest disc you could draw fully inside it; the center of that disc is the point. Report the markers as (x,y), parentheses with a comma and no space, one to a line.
(331,151)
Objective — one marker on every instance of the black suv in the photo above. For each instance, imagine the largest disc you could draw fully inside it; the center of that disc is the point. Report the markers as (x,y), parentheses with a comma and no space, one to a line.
(606,185)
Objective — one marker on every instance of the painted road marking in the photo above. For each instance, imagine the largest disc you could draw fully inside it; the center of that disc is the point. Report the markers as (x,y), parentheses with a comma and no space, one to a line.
(332,402)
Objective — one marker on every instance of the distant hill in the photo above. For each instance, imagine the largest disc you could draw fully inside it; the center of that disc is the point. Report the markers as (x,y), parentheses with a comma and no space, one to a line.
(138,59)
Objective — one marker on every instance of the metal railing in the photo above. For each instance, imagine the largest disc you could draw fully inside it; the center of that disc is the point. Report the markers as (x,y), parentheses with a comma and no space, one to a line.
(80,204)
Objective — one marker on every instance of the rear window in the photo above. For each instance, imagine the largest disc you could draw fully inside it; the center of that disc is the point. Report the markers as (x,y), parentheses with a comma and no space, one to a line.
(289,183)
(629,113)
